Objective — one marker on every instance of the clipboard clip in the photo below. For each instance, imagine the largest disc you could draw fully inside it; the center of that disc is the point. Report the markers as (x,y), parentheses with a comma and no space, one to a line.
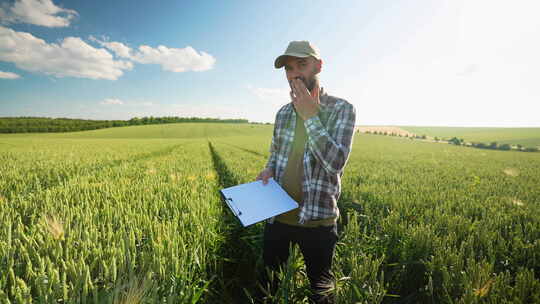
(230,202)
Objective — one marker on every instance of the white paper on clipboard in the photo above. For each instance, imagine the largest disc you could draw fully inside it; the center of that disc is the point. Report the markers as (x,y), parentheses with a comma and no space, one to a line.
(254,202)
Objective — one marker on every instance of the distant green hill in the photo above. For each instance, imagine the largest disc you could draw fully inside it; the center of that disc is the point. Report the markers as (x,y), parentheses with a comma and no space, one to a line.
(46,124)
(175,130)
(527,137)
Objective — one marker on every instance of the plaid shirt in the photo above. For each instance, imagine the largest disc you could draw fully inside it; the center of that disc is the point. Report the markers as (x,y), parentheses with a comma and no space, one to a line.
(329,142)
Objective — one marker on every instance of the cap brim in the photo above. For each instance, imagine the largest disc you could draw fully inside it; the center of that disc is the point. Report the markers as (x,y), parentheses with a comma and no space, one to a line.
(280,61)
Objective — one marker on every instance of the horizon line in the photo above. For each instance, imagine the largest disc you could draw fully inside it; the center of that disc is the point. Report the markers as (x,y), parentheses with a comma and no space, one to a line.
(254,121)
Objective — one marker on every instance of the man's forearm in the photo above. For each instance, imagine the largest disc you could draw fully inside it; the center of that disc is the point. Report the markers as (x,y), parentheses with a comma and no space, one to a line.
(271,163)
(331,150)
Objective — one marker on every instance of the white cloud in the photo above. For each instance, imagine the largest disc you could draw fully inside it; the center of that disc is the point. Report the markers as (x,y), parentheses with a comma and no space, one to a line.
(8,75)
(38,12)
(174,60)
(72,57)
(112,101)
(278,96)
(170,59)
(118,48)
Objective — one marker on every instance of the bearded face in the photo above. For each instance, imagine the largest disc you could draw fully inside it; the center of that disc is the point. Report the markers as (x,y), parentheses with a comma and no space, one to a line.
(305,69)
(310,81)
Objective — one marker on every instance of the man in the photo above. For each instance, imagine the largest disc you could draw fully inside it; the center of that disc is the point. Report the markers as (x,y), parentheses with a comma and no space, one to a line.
(310,147)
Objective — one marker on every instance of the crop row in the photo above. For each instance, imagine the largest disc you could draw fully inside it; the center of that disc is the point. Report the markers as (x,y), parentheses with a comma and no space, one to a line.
(146,229)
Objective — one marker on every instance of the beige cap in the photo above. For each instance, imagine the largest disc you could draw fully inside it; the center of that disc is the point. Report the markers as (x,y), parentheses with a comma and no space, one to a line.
(297,49)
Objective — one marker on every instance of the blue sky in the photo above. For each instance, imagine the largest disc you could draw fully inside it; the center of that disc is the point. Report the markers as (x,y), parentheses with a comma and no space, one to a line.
(457,63)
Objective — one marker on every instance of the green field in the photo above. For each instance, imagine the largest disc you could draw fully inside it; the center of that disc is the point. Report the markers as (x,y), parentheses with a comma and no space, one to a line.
(133,215)
(527,137)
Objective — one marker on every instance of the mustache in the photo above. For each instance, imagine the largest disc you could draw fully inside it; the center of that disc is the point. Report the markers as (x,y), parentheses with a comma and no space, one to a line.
(309,84)
(304,80)
(299,77)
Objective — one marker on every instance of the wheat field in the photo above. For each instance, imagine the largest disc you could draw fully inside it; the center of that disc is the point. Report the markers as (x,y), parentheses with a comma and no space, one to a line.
(133,215)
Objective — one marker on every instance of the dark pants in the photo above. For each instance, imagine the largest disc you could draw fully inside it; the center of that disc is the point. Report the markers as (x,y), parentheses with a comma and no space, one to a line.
(317,246)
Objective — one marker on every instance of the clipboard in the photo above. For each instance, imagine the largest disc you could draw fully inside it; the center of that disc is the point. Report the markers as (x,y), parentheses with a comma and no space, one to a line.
(254,202)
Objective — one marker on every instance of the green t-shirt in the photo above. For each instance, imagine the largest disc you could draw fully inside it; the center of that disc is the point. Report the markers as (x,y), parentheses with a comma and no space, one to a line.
(292,179)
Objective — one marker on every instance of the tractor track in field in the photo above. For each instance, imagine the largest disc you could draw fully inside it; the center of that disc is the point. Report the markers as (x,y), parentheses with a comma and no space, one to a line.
(66,177)
(245,150)
(238,269)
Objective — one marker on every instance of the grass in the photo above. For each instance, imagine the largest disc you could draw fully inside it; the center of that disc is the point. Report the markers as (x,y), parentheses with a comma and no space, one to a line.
(133,215)
(165,131)
(527,137)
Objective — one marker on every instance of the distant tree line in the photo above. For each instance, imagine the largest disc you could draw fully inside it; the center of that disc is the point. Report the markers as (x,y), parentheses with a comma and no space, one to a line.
(45,124)
(460,142)
(386,133)
(492,145)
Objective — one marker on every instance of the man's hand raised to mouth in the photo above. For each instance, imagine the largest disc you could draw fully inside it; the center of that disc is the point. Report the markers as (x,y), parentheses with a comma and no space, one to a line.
(305,102)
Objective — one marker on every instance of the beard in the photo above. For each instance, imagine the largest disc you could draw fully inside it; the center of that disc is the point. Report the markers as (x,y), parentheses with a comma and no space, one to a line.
(311,82)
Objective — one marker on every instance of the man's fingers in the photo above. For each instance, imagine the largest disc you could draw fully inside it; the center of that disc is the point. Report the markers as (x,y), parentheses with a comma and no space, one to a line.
(298,89)
(316,91)
(295,87)
(301,88)
(265,179)
(265,175)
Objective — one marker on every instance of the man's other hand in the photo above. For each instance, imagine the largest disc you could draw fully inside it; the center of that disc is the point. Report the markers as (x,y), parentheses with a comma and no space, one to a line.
(265,175)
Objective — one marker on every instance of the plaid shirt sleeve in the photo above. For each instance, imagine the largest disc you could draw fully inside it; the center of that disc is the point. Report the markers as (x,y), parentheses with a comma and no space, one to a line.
(271,164)
(274,146)
(331,144)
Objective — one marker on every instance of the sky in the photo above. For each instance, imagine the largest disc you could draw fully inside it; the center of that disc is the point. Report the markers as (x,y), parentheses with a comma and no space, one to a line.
(424,63)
